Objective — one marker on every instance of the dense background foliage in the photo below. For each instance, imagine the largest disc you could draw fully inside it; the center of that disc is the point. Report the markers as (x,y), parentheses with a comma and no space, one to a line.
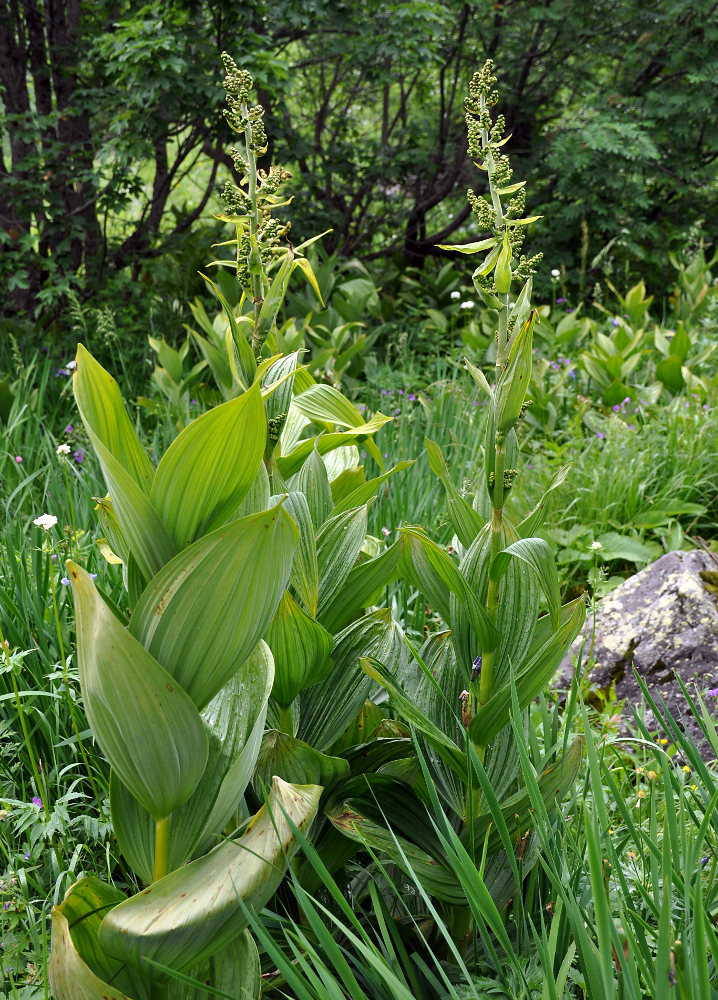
(114,147)
(114,154)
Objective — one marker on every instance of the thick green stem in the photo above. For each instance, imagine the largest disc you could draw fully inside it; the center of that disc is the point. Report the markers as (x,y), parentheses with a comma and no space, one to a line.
(286,722)
(162,848)
(492,596)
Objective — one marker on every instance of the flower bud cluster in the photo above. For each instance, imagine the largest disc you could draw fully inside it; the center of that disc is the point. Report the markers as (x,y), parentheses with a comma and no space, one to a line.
(485,144)
(527,266)
(482,210)
(269,234)
(235,199)
(250,204)
(237,83)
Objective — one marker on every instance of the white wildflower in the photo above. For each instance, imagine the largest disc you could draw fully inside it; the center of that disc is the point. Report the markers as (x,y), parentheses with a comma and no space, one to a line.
(45,521)
(467,305)
(63,449)
(596,546)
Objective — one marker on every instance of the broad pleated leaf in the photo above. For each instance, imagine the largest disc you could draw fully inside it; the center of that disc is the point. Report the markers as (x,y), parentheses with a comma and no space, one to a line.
(194,912)
(257,497)
(410,843)
(363,728)
(363,587)
(207,470)
(418,569)
(323,404)
(379,752)
(234,720)
(447,749)
(240,773)
(516,614)
(533,521)
(78,968)
(537,554)
(513,384)
(293,461)
(304,575)
(364,491)
(145,723)
(339,460)
(346,483)
(312,480)
(274,297)
(277,406)
(431,569)
(338,544)
(217,361)
(295,761)
(204,613)
(300,647)
(235,970)
(436,691)
(531,676)
(103,413)
(466,522)
(242,362)
(143,530)
(517,810)
(329,707)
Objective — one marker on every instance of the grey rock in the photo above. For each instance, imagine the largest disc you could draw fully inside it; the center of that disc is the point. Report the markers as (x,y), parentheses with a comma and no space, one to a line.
(663,621)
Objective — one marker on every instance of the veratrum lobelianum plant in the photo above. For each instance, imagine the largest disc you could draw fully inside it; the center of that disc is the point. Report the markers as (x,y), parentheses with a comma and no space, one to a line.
(497,650)
(178,697)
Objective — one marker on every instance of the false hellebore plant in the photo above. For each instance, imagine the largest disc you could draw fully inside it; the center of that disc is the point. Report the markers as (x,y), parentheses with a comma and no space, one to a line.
(498,651)
(242,552)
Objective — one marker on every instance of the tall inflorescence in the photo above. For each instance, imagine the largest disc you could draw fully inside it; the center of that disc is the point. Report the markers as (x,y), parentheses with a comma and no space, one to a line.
(250,204)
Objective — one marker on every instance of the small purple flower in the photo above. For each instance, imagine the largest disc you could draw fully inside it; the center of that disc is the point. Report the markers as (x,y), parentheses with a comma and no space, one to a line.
(27,856)
(401,392)
(616,408)
(712,692)
(476,402)
(18,459)
(68,429)
(61,371)
(53,557)
(412,397)
(36,800)
(560,301)
(476,668)
(65,581)
(599,435)
(93,576)
(193,402)
(384,392)
(615,321)
(79,456)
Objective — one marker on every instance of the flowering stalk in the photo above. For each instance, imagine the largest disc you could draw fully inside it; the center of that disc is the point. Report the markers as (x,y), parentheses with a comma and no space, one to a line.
(493,281)
(250,210)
